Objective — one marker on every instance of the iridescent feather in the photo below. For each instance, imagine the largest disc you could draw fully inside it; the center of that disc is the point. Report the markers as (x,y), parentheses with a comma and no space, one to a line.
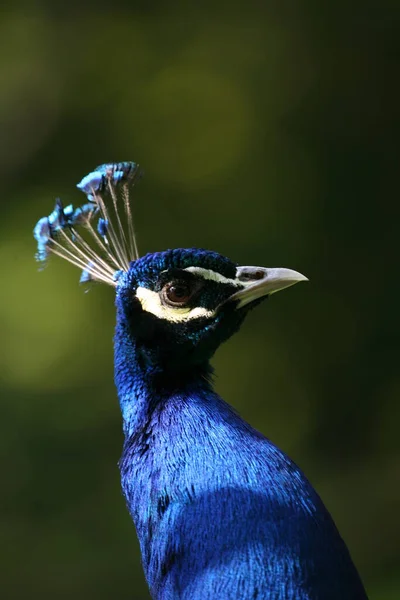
(107,192)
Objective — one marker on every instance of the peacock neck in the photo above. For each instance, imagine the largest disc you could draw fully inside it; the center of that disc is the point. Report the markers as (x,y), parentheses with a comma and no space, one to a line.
(142,386)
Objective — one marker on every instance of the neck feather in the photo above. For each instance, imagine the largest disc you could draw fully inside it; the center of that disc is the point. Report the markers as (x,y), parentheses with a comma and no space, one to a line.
(142,386)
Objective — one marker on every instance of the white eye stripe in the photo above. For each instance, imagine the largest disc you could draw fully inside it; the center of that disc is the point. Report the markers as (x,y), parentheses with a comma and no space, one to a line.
(151,302)
(211,275)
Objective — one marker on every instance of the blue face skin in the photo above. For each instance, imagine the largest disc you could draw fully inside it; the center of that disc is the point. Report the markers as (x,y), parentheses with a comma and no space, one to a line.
(168,345)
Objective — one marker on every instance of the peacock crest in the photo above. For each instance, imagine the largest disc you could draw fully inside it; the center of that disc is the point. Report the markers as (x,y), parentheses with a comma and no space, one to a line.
(98,236)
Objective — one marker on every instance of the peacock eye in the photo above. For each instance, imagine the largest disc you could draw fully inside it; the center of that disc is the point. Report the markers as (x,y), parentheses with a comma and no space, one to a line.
(177,293)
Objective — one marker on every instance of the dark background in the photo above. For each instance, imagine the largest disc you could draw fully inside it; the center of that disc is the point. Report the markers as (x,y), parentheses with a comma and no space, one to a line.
(268,131)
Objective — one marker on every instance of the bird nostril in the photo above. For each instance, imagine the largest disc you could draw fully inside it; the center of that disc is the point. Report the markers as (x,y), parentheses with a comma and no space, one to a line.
(258,275)
(251,275)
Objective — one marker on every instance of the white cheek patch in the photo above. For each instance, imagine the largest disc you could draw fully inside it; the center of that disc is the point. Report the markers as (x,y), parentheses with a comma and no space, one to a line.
(151,302)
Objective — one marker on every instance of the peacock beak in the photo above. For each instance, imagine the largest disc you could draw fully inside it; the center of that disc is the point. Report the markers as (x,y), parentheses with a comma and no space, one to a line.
(259,282)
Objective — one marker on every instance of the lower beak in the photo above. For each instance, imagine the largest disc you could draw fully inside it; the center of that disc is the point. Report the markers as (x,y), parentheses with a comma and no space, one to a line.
(259,282)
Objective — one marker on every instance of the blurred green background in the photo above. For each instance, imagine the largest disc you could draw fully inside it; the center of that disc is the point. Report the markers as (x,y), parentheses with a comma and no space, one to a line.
(268,131)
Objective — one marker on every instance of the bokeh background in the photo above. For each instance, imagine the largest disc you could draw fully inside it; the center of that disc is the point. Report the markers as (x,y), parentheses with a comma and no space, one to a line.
(268,131)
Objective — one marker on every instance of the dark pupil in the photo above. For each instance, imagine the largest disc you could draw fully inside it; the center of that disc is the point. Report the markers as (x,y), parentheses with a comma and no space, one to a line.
(178,292)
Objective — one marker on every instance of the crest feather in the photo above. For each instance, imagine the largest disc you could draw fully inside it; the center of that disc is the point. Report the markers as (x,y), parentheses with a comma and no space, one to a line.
(98,236)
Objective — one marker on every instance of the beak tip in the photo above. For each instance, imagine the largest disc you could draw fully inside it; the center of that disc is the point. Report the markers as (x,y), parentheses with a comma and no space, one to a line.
(298,277)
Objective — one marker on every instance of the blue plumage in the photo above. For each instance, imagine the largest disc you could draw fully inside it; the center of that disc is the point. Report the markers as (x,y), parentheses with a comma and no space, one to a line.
(219,510)
(98,179)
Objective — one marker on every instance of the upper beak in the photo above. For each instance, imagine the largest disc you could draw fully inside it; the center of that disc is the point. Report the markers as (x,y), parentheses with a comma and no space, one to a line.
(259,282)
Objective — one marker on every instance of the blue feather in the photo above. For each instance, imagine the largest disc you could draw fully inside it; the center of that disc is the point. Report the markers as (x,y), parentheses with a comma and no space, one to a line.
(220,511)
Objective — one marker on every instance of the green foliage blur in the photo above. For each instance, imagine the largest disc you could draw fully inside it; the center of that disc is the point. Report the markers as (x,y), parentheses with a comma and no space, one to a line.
(268,132)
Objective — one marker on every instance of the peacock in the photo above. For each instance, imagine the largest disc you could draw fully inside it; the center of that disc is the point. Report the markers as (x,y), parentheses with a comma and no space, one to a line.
(220,511)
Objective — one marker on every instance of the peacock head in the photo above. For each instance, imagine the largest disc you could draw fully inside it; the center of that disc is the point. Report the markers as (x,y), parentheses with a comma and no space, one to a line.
(177,306)
(180,305)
